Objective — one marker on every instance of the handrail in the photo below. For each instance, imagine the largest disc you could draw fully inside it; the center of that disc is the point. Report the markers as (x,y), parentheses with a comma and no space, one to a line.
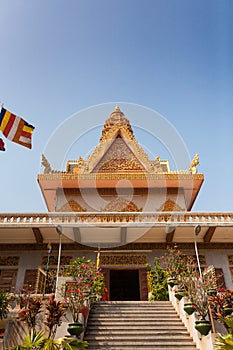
(94,218)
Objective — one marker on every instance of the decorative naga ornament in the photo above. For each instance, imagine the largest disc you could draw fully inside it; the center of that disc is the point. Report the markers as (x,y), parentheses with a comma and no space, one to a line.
(46,165)
(194,164)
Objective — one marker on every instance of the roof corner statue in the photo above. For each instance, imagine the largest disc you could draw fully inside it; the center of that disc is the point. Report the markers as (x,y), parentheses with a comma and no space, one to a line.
(46,165)
(119,159)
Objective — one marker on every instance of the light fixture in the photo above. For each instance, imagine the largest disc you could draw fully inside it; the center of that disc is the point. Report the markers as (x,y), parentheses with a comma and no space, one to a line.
(59,229)
(197,230)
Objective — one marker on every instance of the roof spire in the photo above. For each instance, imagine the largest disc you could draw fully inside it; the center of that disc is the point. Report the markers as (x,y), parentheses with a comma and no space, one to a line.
(116,120)
(117,109)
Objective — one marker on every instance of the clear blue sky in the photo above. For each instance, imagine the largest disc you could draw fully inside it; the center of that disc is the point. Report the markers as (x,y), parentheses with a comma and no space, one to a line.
(172,56)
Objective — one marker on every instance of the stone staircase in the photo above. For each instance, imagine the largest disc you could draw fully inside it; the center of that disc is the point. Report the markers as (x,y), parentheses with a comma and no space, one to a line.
(136,325)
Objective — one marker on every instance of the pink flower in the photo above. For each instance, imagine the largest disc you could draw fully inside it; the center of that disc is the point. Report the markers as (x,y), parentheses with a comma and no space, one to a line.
(86,266)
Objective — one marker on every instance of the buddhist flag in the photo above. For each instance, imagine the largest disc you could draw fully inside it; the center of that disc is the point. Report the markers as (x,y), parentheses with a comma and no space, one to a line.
(15,128)
(2,145)
(49,247)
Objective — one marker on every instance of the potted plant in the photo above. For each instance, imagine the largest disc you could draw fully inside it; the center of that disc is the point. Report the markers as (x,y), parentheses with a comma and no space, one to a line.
(189,308)
(200,300)
(86,285)
(75,299)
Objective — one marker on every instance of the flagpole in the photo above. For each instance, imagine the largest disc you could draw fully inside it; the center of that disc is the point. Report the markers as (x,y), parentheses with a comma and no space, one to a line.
(49,247)
(59,231)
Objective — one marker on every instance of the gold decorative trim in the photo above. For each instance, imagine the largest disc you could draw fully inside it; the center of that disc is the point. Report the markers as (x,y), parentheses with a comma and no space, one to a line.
(121,176)
(121,205)
(170,205)
(123,259)
(71,206)
(9,260)
(65,260)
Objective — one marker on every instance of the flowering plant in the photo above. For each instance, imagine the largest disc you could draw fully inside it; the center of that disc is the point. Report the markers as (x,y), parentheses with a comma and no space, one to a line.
(180,266)
(198,296)
(221,303)
(87,282)
(194,286)
(84,274)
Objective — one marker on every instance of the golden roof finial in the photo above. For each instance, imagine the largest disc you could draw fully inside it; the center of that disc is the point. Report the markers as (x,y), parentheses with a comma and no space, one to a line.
(117,109)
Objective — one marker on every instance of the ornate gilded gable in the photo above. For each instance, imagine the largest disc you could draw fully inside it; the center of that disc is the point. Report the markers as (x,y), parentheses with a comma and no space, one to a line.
(170,205)
(121,205)
(71,206)
(119,157)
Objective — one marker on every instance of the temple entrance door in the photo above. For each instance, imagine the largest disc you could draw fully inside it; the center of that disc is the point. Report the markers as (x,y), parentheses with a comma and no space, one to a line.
(124,285)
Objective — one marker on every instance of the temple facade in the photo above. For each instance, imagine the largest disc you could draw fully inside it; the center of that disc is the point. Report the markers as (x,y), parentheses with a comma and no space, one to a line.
(122,203)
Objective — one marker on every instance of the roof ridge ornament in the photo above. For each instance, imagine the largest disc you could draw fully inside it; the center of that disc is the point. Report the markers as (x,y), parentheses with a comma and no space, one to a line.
(194,164)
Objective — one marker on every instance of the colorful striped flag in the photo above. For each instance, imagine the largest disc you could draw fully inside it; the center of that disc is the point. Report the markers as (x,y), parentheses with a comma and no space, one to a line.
(2,145)
(49,247)
(15,128)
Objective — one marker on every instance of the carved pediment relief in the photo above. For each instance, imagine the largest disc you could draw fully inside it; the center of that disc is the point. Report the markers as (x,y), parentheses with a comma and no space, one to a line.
(170,205)
(119,157)
(71,206)
(121,205)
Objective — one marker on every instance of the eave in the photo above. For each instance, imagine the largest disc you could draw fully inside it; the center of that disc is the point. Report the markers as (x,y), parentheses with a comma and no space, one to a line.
(190,183)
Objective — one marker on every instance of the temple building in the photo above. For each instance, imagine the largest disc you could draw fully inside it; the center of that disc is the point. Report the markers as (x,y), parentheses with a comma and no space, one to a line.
(121,202)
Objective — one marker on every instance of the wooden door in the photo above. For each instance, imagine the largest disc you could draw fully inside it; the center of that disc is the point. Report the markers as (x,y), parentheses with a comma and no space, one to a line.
(106,274)
(143,284)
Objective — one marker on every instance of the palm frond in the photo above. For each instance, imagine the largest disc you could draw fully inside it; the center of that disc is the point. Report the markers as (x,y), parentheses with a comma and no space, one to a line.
(224,342)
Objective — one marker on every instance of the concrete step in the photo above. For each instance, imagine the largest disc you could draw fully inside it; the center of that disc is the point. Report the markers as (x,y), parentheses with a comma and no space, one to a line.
(135,328)
(125,322)
(134,316)
(138,338)
(148,345)
(135,332)
(149,311)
